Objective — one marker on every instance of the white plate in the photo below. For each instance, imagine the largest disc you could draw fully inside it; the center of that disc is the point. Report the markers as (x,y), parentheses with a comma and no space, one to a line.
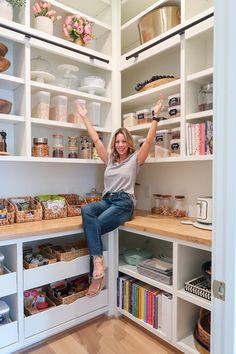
(42,76)
(92,90)
(68,68)
(202,226)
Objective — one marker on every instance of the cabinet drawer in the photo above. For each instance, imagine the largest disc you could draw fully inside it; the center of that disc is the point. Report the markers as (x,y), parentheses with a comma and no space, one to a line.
(9,334)
(63,313)
(52,272)
(7,284)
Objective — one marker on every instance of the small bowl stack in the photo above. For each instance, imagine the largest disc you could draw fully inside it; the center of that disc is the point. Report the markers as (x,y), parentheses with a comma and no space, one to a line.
(5,106)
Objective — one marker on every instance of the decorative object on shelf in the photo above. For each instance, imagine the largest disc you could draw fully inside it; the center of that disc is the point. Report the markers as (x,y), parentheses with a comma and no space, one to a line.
(3,49)
(6,8)
(41,70)
(4,64)
(158,21)
(45,16)
(94,85)
(3,143)
(66,78)
(78,29)
(5,106)
(156,80)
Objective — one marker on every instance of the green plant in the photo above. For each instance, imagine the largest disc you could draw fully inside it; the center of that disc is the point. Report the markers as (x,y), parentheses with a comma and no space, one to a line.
(17,2)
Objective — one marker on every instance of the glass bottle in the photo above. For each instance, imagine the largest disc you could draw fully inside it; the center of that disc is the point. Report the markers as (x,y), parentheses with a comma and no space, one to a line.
(179,207)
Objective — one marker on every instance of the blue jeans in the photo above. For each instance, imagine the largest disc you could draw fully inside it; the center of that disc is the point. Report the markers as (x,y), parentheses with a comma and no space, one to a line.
(104,216)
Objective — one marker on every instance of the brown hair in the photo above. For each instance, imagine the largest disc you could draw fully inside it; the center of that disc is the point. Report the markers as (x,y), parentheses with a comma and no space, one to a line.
(129,139)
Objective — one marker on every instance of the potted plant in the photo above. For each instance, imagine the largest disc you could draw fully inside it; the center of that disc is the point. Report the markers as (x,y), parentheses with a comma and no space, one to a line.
(45,16)
(78,29)
(6,7)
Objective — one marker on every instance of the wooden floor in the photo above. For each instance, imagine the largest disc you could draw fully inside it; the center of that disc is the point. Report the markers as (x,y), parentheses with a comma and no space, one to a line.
(104,336)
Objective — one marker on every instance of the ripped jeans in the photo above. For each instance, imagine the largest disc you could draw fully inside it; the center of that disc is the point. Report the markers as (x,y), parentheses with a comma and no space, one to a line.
(104,216)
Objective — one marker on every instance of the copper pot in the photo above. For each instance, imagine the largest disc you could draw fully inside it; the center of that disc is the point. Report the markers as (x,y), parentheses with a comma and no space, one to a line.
(158,21)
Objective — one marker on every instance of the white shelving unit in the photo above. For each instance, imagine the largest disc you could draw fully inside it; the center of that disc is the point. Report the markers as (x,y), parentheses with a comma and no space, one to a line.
(185,306)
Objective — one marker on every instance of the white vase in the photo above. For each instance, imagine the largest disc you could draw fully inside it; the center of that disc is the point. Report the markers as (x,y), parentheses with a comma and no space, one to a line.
(6,10)
(44,24)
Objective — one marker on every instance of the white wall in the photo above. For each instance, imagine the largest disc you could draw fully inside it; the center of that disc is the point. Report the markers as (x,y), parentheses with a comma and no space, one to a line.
(192,179)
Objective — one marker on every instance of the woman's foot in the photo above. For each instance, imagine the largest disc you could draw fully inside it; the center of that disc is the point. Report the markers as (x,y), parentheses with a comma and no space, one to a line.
(98,267)
(96,286)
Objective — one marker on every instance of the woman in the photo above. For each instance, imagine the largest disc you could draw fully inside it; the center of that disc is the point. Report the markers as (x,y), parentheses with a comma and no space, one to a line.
(118,199)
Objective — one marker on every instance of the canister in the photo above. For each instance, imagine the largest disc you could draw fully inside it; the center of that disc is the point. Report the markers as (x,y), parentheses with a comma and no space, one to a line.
(40,147)
(144,116)
(58,145)
(205,97)
(156,203)
(174,100)
(174,111)
(175,147)
(73,114)
(179,209)
(58,108)
(129,120)
(94,113)
(175,133)
(162,143)
(4,313)
(40,104)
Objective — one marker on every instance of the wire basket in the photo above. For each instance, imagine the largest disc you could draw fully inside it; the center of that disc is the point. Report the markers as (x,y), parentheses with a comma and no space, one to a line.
(33,213)
(7,216)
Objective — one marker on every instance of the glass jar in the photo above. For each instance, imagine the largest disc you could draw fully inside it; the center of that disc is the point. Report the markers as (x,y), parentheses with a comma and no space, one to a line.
(58,145)
(73,153)
(162,144)
(1,263)
(166,205)
(156,204)
(179,207)
(40,147)
(205,97)
(86,149)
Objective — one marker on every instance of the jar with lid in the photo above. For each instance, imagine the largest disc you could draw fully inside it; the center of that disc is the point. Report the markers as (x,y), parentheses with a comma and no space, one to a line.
(156,204)
(179,209)
(86,149)
(73,147)
(162,143)
(2,257)
(166,205)
(40,147)
(205,97)
(58,145)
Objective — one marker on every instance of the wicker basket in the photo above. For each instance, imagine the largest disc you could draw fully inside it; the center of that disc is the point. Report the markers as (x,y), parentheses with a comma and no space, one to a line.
(33,214)
(204,328)
(10,216)
(200,346)
(53,213)
(33,310)
(51,259)
(62,253)
(74,204)
(67,299)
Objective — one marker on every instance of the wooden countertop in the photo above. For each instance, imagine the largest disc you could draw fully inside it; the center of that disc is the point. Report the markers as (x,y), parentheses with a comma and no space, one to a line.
(142,221)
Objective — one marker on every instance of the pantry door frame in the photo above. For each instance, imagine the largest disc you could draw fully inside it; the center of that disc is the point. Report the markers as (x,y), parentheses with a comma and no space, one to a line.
(223,322)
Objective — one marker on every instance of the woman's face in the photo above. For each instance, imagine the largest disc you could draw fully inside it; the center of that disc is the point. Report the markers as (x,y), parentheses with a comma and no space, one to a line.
(121,145)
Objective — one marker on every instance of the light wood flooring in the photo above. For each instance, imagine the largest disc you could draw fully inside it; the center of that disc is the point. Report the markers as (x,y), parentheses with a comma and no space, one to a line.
(104,336)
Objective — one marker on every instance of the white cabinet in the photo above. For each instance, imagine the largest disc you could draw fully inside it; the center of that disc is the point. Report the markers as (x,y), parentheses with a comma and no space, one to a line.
(19,84)
(187,258)
(185,52)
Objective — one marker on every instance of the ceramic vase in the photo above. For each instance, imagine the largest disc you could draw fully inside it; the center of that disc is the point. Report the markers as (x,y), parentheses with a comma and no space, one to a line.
(6,10)
(44,24)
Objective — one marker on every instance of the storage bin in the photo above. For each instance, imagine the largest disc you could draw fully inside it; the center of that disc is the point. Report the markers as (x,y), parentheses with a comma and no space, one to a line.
(174,100)
(94,113)
(66,252)
(162,144)
(33,310)
(7,212)
(58,108)
(27,209)
(175,147)
(74,204)
(144,116)
(53,206)
(73,115)
(174,111)
(40,105)
(129,120)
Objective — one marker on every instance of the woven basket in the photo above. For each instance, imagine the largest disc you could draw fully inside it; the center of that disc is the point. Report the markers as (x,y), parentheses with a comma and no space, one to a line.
(74,204)
(157,83)
(197,341)
(54,213)
(204,327)
(33,214)
(51,259)
(10,216)
(79,249)
(33,310)
(67,299)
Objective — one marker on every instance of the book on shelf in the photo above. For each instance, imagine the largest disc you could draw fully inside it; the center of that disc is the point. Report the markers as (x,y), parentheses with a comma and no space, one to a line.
(199,138)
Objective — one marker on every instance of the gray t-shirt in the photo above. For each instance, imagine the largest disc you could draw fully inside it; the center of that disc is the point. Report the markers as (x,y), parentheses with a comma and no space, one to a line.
(121,176)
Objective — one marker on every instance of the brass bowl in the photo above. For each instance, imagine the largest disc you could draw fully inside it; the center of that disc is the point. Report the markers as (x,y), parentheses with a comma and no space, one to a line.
(5,106)
(3,50)
(4,64)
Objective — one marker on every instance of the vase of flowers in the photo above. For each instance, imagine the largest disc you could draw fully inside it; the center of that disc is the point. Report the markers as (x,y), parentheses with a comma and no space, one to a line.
(78,29)
(6,8)
(45,16)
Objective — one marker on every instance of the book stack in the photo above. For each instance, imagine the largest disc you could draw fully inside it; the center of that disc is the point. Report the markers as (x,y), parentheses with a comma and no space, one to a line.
(159,268)
(199,138)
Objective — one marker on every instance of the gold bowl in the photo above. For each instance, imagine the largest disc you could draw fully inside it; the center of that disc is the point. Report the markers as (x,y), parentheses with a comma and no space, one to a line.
(4,64)
(5,106)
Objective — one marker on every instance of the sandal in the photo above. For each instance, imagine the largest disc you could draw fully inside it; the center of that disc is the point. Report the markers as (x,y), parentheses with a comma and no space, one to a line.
(96,286)
(98,262)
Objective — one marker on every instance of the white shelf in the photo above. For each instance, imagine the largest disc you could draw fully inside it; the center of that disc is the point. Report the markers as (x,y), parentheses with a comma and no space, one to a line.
(200,115)
(202,77)
(187,345)
(11,118)
(132,271)
(194,299)
(8,82)
(164,124)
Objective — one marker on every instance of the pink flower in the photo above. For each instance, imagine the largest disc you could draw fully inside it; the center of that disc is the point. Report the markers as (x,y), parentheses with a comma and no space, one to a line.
(76,26)
(88,29)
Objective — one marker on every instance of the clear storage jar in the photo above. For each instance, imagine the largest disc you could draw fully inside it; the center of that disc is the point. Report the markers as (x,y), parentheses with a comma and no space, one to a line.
(156,204)
(58,108)
(94,113)
(179,209)
(166,208)
(40,104)
(175,147)
(85,148)
(58,145)
(40,147)
(162,143)
(205,97)
(73,115)
(144,116)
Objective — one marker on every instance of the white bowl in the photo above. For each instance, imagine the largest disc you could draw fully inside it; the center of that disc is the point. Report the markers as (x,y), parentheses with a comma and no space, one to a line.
(94,81)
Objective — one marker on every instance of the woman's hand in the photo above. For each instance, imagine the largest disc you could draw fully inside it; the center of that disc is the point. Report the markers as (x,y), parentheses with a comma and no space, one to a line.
(159,105)
(81,110)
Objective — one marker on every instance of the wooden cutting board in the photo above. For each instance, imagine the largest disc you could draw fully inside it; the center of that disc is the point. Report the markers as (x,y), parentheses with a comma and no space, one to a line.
(156,83)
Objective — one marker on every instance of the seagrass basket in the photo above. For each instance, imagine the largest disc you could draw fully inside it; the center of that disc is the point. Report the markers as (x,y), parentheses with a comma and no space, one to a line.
(33,213)
(53,212)
(202,331)
(51,259)
(9,217)
(66,299)
(33,310)
(74,204)
(66,252)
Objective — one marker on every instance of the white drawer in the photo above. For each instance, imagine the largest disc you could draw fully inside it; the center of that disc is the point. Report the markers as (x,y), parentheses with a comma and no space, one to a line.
(8,284)
(8,334)
(57,315)
(60,270)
